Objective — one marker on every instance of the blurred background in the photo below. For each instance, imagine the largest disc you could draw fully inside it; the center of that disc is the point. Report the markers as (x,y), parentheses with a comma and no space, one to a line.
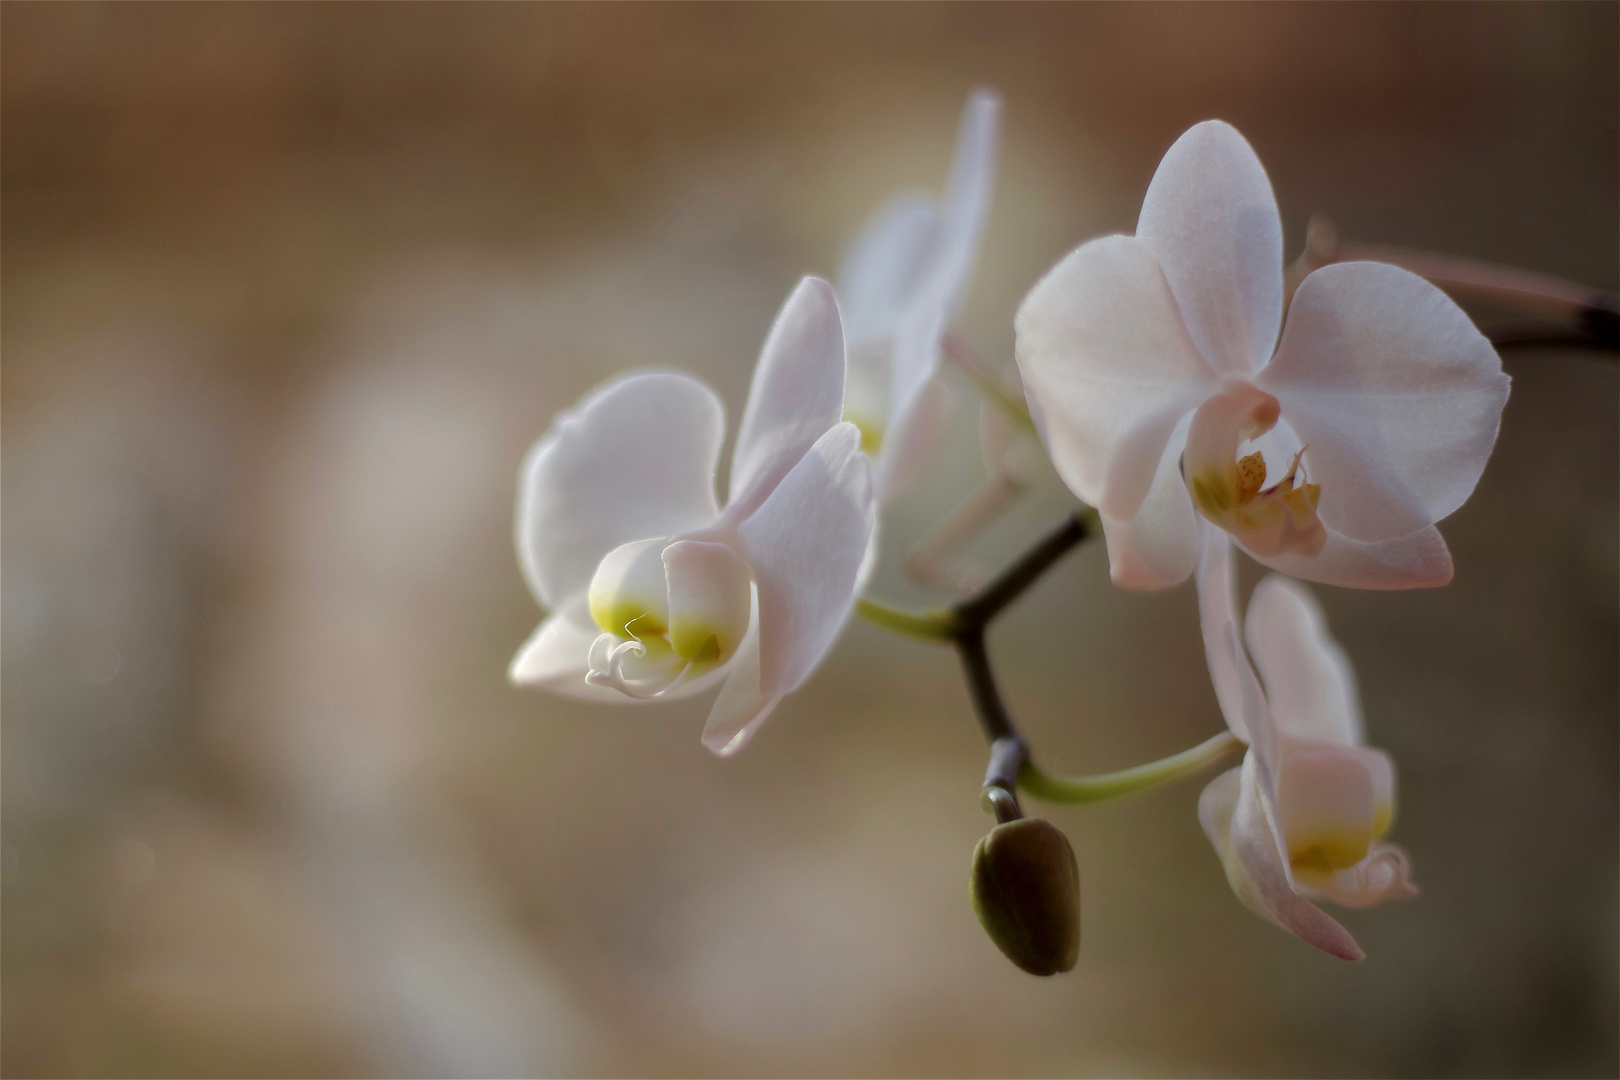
(289,289)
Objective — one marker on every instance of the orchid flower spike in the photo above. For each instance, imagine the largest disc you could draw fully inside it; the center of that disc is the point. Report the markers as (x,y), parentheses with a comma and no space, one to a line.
(1304,816)
(656,592)
(1157,381)
(900,285)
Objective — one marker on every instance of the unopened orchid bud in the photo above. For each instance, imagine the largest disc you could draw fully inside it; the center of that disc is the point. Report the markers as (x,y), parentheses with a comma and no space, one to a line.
(1026,892)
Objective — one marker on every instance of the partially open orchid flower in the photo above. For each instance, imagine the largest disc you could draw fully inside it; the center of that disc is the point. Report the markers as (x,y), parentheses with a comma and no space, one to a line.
(1304,816)
(900,285)
(1156,377)
(654,590)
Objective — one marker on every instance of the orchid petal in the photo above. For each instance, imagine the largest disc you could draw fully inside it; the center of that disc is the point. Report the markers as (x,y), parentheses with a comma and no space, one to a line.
(915,360)
(557,655)
(1326,806)
(866,392)
(1418,560)
(1158,547)
(967,196)
(1381,767)
(740,708)
(885,266)
(1395,392)
(806,545)
(709,600)
(1233,818)
(1211,218)
(1108,370)
(797,394)
(907,448)
(1218,621)
(1309,681)
(635,459)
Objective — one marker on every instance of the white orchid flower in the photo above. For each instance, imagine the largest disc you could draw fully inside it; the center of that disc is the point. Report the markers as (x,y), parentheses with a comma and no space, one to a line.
(655,591)
(900,285)
(1305,814)
(1159,386)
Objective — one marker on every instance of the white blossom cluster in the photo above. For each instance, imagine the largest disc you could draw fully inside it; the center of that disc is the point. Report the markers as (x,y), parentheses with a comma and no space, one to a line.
(1176,388)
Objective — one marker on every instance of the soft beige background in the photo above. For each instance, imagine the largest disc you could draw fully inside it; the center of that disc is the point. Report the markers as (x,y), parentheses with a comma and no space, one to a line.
(289,289)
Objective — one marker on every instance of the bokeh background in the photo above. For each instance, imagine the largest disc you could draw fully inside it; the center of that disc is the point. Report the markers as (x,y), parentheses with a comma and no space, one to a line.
(288,290)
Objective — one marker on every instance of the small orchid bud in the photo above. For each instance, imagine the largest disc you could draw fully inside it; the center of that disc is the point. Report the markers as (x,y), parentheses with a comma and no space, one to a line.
(1025,890)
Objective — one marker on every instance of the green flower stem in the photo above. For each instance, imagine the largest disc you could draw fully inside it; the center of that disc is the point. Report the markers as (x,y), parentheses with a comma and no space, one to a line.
(939,625)
(1101,786)
(964,627)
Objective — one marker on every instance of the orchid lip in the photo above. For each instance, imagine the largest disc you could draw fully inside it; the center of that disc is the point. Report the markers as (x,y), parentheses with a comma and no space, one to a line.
(610,654)
(1231,492)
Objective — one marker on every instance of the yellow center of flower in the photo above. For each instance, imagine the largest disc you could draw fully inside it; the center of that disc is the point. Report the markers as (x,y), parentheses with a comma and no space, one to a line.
(668,611)
(1231,491)
(871,432)
(1334,802)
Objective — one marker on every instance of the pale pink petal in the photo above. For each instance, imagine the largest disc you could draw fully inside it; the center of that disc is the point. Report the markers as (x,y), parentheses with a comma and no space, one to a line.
(1218,621)
(967,195)
(1394,391)
(908,448)
(1325,800)
(1310,684)
(635,459)
(1416,561)
(710,597)
(797,394)
(1210,217)
(1216,805)
(557,656)
(1381,767)
(1259,874)
(885,266)
(929,309)
(740,708)
(806,545)
(915,362)
(1159,546)
(1108,370)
